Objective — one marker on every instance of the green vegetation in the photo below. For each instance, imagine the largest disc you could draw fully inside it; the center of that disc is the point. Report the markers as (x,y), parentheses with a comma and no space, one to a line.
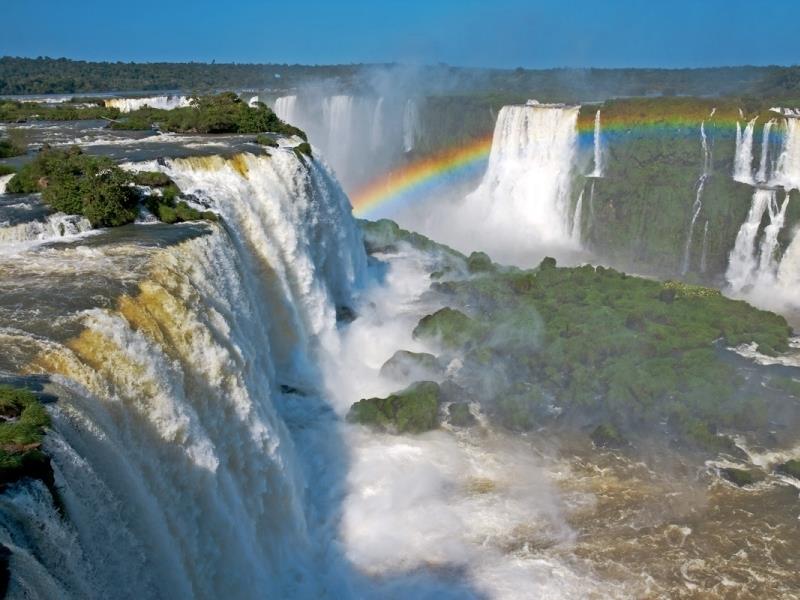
(22,423)
(6,170)
(265,140)
(18,112)
(13,145)
(412,410)
(448,326)
(741,477)
(790,468)
(458,415)
(608,436)
(76,183)
(302,150)
(219,113)
(596,341)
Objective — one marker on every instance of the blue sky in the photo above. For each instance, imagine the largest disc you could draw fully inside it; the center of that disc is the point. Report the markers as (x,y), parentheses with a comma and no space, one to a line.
(502,33)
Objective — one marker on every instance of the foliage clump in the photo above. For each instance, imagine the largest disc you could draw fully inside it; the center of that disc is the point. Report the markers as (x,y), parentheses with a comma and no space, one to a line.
(741,477)
(94,187)
(217,113)
(412,410)
(13,144)
(451,327)
(76,183)
(22,424)
(790,468)
(583,342)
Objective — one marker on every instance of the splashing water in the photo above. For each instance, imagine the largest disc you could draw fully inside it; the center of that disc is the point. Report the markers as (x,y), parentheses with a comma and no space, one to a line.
(126,105)
(598,148)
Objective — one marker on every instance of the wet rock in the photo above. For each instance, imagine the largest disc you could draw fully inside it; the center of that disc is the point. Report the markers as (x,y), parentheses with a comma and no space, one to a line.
(741,477)
(608,436)
(790,468)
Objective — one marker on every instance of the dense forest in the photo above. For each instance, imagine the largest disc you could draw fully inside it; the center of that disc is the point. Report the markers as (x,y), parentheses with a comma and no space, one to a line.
(63,76)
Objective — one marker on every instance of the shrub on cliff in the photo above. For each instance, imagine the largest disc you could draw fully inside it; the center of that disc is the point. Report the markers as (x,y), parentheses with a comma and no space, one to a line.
(76,183)
(218,113)
(22,425)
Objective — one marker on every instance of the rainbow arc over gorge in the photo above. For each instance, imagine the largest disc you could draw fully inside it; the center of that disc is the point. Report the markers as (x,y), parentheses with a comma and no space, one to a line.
(420,178)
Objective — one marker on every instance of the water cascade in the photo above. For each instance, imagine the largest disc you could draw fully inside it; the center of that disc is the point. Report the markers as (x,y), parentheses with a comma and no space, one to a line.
(742,263)
(598,148)
(524,196)
(411,125)
(52,227)
(763,174)
(576,221)
(171,453)
(126,105)
(743,159)
(697,205)
(787,169)
(704,253)
(286,109)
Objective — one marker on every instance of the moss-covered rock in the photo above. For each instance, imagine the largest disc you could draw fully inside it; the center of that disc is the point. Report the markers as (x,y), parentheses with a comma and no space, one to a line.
(607,435)
(448,326)
(412,410)
(404,364)
(479,262)
(265,140)
(790,468)
(302,150)
(22,424)
(741,477)
(459,415)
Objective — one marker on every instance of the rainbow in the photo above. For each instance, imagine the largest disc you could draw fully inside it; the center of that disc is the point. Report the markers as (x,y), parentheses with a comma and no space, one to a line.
(410,181)
(420,178)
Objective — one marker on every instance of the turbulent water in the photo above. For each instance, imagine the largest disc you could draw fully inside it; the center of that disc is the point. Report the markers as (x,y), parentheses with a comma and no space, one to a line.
(743,160)
(173,463)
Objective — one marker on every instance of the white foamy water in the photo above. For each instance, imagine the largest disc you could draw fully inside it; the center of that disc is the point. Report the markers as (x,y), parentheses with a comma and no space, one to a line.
(523,200)
(598,147)
(4,179)
(743,159)
(126,105)
(174,463)
(53,227)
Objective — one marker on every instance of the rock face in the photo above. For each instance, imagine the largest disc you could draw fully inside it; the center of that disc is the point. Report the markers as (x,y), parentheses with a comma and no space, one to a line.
(417,365)
(412,410)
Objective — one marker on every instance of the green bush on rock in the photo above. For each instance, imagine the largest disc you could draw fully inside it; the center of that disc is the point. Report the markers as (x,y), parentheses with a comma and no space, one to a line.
(22,423)
(76,183)
(412,410)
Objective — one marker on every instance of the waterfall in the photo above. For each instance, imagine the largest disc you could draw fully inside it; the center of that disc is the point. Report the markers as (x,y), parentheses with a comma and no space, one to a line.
(525,193)
(697,205)
(576,221)
(338,116)
(176,469)
(704,253)
(763,175)
(411,125)
(598,151)
(743,159)
(4,179)
(742,263)
(126,105)
(286,109)
(377,126)
(768,264)
(787,170)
